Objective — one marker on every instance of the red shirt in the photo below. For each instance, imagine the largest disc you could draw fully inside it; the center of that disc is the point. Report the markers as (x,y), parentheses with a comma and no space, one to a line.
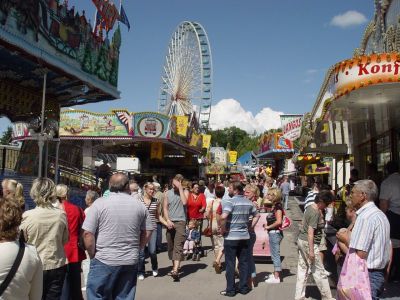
(219,209)
(75,218)
(194,204)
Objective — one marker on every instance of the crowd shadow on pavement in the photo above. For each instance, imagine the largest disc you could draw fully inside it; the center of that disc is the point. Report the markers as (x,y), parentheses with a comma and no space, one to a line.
(312,291)
(191,268)
(185,270)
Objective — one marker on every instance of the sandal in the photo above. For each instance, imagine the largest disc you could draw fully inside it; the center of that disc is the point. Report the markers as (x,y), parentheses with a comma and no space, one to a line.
(217,268)
(228,294)
(175,275)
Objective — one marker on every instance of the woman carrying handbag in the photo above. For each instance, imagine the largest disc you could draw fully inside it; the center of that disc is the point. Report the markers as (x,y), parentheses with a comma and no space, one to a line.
(217,240)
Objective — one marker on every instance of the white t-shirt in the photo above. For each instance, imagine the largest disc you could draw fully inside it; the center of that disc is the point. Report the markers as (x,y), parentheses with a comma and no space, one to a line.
(28,281)
(390,191)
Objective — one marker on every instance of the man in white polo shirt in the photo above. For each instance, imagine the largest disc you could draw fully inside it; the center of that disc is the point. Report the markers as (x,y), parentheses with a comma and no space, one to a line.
(114,230)
(370,236)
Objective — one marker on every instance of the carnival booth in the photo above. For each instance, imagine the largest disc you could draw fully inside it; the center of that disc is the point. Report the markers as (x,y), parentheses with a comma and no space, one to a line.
(358,103)
(52,58)
(276,148)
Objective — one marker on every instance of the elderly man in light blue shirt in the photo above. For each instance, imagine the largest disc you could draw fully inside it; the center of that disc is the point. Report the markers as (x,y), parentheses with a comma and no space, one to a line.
(370,236)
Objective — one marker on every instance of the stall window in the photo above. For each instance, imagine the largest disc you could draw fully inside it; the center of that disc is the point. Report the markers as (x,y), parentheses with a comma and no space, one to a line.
(383,151)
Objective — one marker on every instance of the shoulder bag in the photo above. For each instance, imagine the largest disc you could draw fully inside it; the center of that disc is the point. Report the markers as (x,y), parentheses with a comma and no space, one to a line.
(14,267)
(286,221)
(208,230)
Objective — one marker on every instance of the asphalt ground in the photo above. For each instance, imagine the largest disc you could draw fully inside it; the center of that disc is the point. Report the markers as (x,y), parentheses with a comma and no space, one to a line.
(198,279)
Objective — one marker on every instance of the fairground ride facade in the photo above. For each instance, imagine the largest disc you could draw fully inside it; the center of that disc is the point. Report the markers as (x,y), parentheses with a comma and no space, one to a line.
(51,58)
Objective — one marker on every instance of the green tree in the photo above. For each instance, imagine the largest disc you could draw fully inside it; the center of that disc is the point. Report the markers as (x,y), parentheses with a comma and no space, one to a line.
(236,138)
(6,137)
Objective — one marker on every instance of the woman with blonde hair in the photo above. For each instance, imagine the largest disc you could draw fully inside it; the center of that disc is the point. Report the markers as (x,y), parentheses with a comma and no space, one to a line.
(151,204)
(75,255)
(274,222)
(46,228)
(217,240)
(14,190)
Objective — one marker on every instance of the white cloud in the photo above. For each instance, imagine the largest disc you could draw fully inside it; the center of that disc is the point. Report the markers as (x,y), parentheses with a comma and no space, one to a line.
(311,71)
(349,18)
(229,112)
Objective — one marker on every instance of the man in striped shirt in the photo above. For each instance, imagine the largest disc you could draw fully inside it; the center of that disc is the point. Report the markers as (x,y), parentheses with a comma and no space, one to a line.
(234,226)
(371,234)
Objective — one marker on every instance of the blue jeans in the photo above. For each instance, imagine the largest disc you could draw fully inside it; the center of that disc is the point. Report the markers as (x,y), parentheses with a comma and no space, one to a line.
(159,236)
(376,280)
(111,282)
(236,249)
(286,200)
(152,252)
(252,265)
(275,239)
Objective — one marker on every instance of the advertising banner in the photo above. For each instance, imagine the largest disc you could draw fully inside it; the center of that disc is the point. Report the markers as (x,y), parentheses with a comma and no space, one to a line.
(363,71)
(233,157)
(182,125)
(317,169)
(275,142)
(20,130)
(150,124)
(291,126)
(77,123)
(206,140)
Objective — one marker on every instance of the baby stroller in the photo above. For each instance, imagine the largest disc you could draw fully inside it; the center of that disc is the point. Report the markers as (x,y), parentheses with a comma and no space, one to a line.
(192,246)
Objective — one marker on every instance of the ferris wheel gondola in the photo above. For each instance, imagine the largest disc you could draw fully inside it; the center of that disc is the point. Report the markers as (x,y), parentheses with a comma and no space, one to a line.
(186,81)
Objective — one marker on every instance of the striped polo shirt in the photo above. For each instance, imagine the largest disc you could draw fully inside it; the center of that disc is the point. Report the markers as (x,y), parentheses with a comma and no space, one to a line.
(152,209)
(310,199)
(239,209)
(371,234)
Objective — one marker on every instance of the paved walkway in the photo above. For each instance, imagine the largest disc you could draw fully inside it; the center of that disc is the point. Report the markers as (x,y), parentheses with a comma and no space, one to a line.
(199,280)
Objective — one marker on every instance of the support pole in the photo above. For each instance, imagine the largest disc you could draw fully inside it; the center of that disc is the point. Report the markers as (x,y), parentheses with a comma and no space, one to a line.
(56,168)
(41,135)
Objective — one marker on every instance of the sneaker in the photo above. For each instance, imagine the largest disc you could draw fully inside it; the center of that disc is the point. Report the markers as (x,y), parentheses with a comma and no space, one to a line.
(155,273)
(140,277)
(272,279)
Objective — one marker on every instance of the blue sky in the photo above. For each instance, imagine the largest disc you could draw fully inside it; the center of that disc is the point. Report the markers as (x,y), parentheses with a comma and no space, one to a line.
(266,54)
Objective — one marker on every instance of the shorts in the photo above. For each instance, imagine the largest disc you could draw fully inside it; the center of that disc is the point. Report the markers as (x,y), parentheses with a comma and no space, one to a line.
(322,244)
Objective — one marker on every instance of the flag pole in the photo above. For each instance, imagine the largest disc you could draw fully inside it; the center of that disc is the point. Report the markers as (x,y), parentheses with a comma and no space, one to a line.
(95,21)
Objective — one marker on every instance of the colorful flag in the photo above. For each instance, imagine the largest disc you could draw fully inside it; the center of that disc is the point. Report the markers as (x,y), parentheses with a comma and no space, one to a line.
(233,157)
(182,123)
(195,139)
(124,18)
(156,151)
(108,12)
(206,140)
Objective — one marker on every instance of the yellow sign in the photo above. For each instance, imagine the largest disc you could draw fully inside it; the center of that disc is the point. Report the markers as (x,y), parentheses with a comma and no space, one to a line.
(206,140)
(195,139)
(182,125)
(314,169)
(233,157)
(156,151)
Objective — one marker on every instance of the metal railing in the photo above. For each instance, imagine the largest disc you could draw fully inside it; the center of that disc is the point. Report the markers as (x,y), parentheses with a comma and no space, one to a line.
(8,157)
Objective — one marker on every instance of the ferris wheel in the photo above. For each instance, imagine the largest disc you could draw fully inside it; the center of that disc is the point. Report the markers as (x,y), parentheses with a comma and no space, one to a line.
(186,78)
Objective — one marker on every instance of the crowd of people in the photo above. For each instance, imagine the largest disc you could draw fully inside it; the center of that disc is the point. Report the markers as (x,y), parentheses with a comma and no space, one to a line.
(105,243)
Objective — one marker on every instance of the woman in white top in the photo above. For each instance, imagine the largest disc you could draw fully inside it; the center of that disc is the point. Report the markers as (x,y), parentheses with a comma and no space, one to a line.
(28,280)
